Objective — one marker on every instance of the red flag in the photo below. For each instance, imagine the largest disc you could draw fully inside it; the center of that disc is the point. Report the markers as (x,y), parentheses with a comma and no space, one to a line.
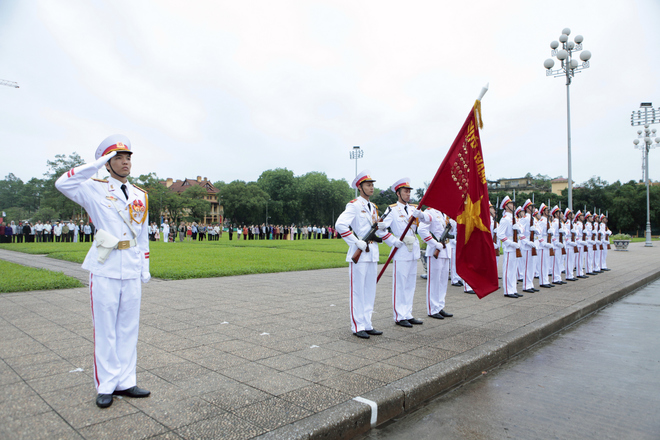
(459,189)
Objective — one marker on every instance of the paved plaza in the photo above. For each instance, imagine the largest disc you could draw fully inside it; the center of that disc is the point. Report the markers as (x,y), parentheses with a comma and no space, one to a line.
(269,356)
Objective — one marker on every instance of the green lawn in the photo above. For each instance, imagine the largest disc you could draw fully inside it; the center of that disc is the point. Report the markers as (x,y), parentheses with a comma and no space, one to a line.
(17,278)
(219,258)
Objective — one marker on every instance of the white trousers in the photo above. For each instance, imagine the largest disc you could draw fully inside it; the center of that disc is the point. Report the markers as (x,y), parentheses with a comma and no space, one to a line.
(603,257)
(590,258)
(527,264)
(116,319)
(509,267)
(597,253)
(570,261)
(580,269)
(454,276)
(556,266)
(436,284)
(362,277)
(545,264)
(404,279)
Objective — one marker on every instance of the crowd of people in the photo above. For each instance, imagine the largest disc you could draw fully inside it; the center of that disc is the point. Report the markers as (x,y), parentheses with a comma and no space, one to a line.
(193,231)
(38,232)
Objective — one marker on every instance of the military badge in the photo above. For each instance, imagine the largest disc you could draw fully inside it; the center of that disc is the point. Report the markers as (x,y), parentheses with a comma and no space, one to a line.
(138,211)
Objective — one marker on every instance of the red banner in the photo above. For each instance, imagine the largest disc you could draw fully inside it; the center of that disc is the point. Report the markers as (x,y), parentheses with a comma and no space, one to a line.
(459,189)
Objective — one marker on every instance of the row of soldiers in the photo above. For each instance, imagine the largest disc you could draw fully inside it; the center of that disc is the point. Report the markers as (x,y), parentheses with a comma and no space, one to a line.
(547,242)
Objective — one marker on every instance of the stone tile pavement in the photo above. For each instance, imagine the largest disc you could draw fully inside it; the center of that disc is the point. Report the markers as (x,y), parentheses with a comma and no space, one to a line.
(272,355)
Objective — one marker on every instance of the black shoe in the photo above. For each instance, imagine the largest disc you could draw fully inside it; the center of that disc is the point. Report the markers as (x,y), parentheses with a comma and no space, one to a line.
(546,286)
(591,273)
(513,295)
(457,284)
(563,282)
(598,271)
(404,323)
(535,289)
(529,290)
(415,321)
(606,269)
(437,316)
(557,283)
(132,392)
(571,279)
(469,291)
(374,332)
(582,276)
(362,334)
(104,400)
(445,314)
(423,276)
(520,295)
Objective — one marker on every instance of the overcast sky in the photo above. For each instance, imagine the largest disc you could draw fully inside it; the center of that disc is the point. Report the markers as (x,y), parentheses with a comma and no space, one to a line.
(227,89)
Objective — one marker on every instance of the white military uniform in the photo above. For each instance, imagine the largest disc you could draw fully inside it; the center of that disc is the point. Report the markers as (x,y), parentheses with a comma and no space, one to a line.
(558,246)
(115,284)
(588,229)
(605,235)
(359,216)
(509,265)
(526,246)
(579,261)
(571,246)
(166,231)
(597,241)
(404,276)
(438,269)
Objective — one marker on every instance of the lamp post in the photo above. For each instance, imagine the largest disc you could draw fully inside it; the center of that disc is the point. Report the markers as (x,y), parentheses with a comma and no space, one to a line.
(646,144)
(569,67)
(356,154)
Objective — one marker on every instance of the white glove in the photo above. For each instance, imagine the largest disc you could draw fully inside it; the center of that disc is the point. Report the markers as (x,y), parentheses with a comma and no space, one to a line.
(417,213)
(145,276)
(98,164)
(397,243)
(433,242)
(525,242)
(362,245)
(535,246)
(382,226)
(515,245)
(561,245)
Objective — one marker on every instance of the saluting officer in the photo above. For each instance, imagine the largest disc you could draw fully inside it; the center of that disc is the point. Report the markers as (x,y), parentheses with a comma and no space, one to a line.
(117,261)
(353,225)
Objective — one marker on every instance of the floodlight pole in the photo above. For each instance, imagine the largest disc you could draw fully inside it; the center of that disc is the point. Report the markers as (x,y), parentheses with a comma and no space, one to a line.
(356,154)
(569,67)
(648,116)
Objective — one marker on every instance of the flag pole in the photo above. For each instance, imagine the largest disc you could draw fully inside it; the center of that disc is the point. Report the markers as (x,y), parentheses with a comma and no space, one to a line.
(419,206)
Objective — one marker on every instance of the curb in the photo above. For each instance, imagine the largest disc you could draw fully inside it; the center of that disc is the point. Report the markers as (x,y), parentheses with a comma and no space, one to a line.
(353,418)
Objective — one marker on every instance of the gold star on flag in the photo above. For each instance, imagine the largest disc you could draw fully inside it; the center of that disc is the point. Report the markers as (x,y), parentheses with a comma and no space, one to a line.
(470,217)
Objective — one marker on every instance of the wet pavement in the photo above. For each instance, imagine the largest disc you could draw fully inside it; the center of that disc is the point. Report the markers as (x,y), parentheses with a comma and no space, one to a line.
(599,379)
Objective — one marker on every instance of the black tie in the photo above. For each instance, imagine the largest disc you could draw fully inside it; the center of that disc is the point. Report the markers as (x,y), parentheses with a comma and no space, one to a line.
(406,208)
(369,206)
(125,191)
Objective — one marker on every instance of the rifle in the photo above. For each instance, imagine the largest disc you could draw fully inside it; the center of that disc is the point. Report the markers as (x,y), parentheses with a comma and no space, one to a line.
(369,237)
(515,236)
(593,234)
(443,239)
(608,238)
(584,238)
(497,251)
(549,238)
(600,239)
(531,233)
(561,240)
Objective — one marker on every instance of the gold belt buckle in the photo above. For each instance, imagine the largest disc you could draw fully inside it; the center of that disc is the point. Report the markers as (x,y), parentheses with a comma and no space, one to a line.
(124,244)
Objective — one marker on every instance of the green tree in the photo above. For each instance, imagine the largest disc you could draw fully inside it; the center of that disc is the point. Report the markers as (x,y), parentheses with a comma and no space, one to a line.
(10,191)
(322,199)
(283,189)
(244,203)
(195,205)
(45,214)
(383,198)
(52,198)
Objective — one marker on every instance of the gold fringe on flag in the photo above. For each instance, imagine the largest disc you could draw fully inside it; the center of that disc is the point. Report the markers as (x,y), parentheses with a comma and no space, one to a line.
(477,113)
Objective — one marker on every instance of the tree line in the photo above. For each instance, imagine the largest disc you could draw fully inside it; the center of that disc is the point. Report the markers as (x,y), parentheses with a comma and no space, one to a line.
(280,197)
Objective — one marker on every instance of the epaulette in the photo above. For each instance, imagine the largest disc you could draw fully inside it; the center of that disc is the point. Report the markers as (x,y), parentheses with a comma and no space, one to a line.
(143,190)
(392,205)
(99,180)
(375,206)
(412,204)
(352,201)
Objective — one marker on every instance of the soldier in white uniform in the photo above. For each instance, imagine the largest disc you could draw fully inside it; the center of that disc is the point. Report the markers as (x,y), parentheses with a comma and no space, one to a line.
(557,243)
(117,261)
(544,227)
(588,230)
(166,231)
(437,265)
(526,225)
(571,244)
(505,235)
(605,235)
(353,225)
(580,263)
(404,276)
